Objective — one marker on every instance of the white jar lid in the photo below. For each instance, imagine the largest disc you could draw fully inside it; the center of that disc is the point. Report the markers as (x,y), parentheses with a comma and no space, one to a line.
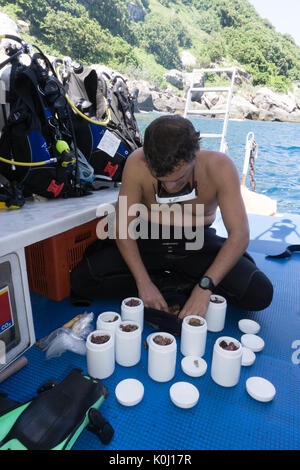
(129,392)
(254,342)
(249,326)
(260,389)
(184,394)
(248,357)
(194,366)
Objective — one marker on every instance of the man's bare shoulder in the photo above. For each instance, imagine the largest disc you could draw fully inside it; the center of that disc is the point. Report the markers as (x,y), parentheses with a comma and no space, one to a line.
(216,163)
(213,156)
(137,157)
(136,165)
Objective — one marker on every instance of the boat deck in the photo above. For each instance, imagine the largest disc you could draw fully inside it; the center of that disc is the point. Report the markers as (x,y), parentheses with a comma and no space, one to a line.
(224,418)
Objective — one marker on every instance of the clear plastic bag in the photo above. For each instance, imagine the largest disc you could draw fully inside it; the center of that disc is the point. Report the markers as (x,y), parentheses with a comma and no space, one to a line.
(68,339)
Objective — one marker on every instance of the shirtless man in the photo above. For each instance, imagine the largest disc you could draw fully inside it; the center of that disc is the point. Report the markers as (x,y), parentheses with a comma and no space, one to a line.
(172,158)
(171,164)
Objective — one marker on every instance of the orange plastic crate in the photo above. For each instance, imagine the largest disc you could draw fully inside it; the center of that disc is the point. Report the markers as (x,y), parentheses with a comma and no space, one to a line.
(50,261)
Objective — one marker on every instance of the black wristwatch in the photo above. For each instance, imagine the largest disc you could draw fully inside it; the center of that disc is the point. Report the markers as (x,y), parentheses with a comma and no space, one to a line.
(206,283)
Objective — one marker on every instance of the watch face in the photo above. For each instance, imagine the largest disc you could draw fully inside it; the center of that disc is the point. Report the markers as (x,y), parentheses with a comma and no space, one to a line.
(205,282)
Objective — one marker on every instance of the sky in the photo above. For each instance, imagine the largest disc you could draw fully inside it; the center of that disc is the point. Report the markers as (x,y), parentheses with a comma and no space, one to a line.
(283,14)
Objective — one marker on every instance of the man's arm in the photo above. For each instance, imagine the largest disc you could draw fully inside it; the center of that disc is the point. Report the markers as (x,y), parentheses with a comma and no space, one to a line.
(131,191)
(236,222)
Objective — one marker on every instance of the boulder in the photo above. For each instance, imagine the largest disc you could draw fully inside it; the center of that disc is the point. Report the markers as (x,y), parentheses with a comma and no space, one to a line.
(241,108)
(242,77)
(175,77)
(295,116)
(268,100)
(143,94)
(296,94)
(135,12)
(221,103)
(275,115)
(7,26)
(188,60)
(252,114)
(199,83)
(210,99)
(23,26)
(149,98)
(166,102)
(195,105)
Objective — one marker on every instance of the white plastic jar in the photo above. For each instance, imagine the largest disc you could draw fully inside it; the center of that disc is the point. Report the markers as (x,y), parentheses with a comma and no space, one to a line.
(128,344)
(226,365)
(100,357)
(193,337)
(133,312)
(108,321)
(162,358)
(216,313)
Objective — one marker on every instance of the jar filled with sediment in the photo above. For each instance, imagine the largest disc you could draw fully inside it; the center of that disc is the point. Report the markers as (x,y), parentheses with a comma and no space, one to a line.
(226,361)
(216,313)
(162,357)
(132,308)
(100,354)
(108,321)
(128,340)
(193,336)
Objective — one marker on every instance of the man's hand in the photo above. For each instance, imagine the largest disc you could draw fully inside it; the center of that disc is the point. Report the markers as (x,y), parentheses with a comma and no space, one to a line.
(197,303)
(151,296)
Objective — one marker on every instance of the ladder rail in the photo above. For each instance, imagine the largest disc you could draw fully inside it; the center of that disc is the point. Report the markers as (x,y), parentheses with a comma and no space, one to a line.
(215,70)
(187,103)
(208,111)
(225,112)
(226,119)
(216,89)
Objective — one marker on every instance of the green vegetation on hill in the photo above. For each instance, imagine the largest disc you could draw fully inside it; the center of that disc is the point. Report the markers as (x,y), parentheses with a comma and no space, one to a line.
(101,31)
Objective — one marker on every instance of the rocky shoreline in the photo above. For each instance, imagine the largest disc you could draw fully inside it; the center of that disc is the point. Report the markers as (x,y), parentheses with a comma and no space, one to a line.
(261,104)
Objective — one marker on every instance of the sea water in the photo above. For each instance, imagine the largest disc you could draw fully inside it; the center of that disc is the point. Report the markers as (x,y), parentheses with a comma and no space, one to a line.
(277,167)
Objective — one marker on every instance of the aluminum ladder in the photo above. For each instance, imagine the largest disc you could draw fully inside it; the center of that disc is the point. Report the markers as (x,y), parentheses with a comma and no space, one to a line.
(225,111)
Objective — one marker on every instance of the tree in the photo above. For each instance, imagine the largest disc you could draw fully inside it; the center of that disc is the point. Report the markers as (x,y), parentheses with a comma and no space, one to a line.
(111,15)
(83,39)
(159,38)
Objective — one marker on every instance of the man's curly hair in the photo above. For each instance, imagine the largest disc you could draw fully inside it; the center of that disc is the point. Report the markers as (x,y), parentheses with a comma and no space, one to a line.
(168,142)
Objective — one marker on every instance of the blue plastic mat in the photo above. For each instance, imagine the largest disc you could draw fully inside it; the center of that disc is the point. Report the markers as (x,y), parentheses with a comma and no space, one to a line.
(224,418)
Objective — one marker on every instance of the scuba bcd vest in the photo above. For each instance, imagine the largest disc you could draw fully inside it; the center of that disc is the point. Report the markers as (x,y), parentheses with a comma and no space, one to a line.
(106,128)
(38,151)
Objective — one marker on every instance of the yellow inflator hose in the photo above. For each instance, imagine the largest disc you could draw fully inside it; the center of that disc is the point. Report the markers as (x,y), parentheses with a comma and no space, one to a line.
(12,162)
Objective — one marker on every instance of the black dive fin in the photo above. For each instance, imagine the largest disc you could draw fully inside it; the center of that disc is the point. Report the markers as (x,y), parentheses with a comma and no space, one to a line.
(55,418)
(287,253)
(99,426)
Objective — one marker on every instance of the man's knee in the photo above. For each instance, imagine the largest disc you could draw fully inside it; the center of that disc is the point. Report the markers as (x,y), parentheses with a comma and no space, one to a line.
(259,294)
(82,283)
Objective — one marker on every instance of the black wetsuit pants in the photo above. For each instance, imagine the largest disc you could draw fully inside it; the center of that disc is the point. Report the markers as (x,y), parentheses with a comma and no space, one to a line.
(104,274)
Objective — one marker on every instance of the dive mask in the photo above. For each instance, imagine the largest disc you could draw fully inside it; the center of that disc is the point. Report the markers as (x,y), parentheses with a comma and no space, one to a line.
(187,193)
